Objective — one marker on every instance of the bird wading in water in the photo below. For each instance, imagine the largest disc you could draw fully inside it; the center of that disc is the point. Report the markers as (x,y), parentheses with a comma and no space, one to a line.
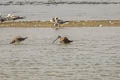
(18,39)
(63,40)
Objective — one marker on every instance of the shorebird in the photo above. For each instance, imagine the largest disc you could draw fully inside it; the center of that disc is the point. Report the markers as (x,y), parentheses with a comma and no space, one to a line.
(13,17)
(18,39)
(57,21)
(52,20)
(63,40)
(2,19)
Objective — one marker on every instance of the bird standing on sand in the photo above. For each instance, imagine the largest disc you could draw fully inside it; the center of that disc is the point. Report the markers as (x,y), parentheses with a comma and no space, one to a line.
(63,40)
(18,39)
(57,21)
(13,17)
(52,20)
(2,19)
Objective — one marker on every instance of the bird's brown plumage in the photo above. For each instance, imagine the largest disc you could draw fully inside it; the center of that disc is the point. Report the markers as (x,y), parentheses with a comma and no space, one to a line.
(18,39)
(63,40)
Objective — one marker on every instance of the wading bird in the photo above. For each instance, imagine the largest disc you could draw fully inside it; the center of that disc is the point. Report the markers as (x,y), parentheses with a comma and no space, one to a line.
(63,40)
(18,39)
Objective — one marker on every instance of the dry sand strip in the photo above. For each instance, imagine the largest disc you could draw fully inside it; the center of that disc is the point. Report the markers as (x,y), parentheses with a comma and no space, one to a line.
(46,24)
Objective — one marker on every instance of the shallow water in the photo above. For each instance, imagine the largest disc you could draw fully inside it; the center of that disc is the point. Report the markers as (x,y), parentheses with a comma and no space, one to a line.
(94,54)
(64,9)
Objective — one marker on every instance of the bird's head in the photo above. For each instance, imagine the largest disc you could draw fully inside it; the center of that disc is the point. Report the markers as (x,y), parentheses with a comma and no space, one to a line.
(58,37)
(56,18)
(8,15)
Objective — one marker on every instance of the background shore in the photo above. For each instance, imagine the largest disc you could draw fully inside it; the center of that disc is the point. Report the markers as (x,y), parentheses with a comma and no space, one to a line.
(82,23)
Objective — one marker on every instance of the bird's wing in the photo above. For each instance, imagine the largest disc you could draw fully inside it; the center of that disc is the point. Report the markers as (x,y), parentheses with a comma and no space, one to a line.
(65,38)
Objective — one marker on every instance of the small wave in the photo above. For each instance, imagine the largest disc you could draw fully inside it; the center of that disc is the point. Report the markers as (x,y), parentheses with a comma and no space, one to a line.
(52,2)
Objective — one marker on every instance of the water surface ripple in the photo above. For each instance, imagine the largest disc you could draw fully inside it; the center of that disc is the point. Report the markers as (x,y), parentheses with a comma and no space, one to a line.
(54,2)
(64,9)
(94,54)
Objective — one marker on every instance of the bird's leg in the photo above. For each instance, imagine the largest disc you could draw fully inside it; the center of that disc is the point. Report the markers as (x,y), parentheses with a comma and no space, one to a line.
(55,25)
(59,26)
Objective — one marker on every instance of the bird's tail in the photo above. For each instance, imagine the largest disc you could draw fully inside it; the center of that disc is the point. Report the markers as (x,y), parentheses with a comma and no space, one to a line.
(64,22)
(71,40)
(67,21)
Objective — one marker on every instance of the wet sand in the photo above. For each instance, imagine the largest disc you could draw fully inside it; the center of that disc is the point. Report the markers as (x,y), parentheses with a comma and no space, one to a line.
(46,24)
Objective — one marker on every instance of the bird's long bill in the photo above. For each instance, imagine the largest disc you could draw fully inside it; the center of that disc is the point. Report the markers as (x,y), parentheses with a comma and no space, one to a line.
(54,40)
